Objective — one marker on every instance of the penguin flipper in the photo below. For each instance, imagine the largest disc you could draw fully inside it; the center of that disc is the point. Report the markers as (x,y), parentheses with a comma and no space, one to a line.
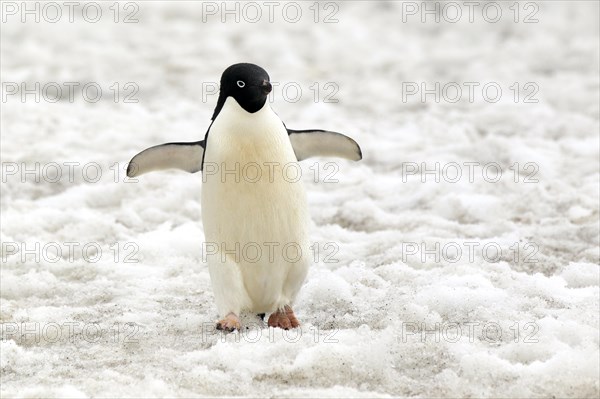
(184,156)
(314,143)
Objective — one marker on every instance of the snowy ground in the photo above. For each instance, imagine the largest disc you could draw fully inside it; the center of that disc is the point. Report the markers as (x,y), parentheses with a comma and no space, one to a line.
(381,320)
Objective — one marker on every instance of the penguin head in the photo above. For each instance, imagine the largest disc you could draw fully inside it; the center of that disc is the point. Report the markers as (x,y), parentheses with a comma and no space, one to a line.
(247,83)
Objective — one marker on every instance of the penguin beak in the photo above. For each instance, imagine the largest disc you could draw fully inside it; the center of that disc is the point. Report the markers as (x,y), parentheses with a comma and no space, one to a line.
(266,87)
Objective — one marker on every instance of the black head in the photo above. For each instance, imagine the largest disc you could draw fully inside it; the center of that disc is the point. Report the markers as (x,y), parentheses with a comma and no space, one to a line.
(248,84)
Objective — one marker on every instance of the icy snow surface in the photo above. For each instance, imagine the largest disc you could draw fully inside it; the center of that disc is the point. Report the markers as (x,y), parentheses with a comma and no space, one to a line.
(379,321)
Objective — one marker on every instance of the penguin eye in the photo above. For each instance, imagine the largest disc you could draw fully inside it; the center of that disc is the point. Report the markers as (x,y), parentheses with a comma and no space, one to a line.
(241,84)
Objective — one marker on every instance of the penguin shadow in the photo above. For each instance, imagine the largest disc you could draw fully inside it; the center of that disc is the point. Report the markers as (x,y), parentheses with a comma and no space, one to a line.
(252,321)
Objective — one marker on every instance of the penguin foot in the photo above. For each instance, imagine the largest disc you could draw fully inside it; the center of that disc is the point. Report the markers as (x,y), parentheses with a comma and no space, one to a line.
(285,319)
(229,323)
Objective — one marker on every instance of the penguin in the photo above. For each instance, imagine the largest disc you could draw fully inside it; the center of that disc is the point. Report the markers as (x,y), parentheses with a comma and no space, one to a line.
(254,208)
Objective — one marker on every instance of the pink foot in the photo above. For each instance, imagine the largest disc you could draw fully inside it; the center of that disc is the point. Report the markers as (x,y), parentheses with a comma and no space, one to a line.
(229,323)
(284,319)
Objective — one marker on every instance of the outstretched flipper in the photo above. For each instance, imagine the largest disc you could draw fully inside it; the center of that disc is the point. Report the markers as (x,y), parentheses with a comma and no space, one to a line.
(315,143)
(184,156)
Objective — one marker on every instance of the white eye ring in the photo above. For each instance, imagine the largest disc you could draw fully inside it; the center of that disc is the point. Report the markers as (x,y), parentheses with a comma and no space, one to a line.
(241,84)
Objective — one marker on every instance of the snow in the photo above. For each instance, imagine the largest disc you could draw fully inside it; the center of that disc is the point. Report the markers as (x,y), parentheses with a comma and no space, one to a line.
(133,315)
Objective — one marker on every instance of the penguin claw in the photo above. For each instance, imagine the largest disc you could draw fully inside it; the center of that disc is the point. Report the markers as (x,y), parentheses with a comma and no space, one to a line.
(229,323)
(285,319)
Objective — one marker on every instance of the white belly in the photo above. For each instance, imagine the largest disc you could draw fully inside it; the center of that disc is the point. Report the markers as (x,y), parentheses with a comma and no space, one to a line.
(254,211)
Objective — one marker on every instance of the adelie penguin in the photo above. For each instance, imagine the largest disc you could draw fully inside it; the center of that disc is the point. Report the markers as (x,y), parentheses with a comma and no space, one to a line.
(269,211)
